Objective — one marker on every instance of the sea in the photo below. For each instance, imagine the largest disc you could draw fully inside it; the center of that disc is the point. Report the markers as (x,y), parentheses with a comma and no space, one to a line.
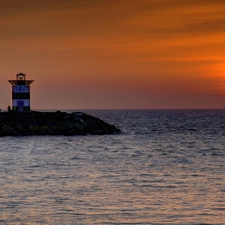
(165,167)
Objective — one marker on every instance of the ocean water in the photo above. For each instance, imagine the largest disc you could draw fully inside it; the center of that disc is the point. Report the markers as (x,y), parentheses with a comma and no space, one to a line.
(166,167)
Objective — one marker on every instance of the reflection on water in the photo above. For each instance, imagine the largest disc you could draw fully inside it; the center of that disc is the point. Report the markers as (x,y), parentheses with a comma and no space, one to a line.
(172,175)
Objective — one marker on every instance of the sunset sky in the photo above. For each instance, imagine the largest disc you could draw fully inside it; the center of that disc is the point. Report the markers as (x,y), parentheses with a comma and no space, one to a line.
(115,54)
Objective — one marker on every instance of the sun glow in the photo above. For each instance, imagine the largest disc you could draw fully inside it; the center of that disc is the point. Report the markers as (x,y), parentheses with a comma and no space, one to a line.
(144,51)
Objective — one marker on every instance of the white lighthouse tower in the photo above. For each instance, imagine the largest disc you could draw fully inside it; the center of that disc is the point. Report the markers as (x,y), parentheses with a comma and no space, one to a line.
(21,93)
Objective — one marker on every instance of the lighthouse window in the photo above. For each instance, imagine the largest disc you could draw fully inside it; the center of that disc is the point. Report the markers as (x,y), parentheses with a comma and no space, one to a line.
(21,88)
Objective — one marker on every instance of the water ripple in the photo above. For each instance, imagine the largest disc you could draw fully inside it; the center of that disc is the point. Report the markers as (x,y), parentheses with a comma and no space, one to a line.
(174,175)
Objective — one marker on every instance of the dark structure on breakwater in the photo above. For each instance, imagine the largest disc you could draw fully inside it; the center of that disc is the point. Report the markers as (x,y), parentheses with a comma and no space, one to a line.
(15,123)
(20,93)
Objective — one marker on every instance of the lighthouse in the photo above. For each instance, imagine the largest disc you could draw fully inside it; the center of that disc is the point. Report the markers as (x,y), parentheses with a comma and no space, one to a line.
(21,93)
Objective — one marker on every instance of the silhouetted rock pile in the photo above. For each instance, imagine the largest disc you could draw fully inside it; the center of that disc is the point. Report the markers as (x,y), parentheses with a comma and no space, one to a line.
(52,123)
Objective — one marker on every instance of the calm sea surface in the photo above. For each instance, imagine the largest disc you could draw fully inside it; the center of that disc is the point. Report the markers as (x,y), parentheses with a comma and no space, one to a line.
(167,167)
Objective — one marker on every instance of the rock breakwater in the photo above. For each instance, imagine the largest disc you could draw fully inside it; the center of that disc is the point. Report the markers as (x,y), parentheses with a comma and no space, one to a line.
(52,123)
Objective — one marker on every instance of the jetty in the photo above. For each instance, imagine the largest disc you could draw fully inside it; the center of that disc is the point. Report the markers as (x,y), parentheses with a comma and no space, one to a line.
(14,123)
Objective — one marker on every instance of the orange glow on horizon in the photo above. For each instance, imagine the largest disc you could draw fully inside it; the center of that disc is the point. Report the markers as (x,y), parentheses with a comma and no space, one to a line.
(141,54)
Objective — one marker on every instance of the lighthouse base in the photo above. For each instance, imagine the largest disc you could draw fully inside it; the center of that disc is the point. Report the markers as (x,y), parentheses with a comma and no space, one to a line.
(20,105)
(21,108)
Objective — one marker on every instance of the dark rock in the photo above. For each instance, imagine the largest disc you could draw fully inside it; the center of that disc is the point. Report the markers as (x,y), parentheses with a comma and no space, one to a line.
(52,123)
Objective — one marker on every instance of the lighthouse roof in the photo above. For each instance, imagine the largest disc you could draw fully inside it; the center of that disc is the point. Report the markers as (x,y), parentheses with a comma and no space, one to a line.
(21,80)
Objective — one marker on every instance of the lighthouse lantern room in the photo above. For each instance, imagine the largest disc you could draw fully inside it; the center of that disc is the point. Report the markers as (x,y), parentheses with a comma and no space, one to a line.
(21,93)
